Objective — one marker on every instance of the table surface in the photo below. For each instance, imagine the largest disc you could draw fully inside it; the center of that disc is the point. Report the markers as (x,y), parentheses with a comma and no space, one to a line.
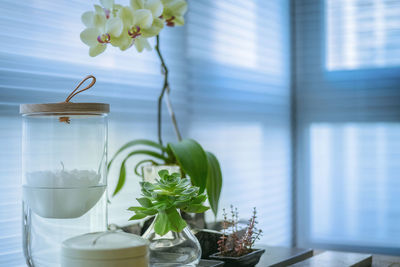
(273,257)
(385,261)
(377,260)
(282,256)
(337,259)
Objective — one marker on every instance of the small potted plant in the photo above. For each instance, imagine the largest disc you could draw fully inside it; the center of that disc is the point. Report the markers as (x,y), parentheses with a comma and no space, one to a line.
(171,241)
(235,248)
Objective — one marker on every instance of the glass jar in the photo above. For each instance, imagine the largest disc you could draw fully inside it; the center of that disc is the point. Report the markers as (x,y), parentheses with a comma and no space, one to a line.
(173,249)
(63,176)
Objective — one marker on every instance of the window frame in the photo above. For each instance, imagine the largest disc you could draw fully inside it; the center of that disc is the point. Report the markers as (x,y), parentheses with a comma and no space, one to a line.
(302,155)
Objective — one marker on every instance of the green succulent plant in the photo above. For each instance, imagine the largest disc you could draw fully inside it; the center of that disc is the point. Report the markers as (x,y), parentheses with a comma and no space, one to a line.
(164,198)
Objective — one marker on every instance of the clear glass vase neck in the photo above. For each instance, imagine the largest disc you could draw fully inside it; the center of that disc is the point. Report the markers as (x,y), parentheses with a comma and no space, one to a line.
(173,249)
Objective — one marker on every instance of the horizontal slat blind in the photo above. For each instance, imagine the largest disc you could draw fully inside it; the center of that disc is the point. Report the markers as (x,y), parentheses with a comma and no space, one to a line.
(362,33)
(10,216)
(239,79)
(348,119)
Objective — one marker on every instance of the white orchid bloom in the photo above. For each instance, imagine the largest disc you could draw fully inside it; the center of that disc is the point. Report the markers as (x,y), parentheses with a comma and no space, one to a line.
(102,27)
(91,18)
(124,41)
(124,26)
(142,9)
(134,21)
(155,6)
(173,13)
(140,22)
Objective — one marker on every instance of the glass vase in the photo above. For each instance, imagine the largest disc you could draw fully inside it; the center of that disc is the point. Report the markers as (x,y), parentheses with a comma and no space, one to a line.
(173,249)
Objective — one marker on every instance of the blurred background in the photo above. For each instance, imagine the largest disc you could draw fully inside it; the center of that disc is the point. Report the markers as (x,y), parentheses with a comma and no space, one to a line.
(299,100)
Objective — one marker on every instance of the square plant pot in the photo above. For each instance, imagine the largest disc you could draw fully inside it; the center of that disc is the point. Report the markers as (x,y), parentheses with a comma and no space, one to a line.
(247,260)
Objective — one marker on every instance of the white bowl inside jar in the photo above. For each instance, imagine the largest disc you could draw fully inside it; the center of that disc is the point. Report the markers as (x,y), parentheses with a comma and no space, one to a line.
(62,194)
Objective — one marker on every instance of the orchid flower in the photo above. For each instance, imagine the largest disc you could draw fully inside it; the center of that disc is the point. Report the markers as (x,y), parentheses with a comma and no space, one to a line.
(134,21)
(125,26)
(173,13)
(102,27)
(142,22)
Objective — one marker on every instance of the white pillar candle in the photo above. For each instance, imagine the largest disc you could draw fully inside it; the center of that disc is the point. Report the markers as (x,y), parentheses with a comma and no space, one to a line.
(105,249)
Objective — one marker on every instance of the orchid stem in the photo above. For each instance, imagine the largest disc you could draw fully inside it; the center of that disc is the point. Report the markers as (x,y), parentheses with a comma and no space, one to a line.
(161,96)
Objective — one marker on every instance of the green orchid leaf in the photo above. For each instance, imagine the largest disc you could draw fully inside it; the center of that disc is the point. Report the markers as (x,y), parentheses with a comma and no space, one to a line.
(214,182)
(146,152)
(145,202)
(122,173)
(171,155)
(121,179)
(193,161)
(135,143)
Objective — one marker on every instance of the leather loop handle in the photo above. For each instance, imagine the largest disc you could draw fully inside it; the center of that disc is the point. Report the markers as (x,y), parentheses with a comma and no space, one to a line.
(75,92)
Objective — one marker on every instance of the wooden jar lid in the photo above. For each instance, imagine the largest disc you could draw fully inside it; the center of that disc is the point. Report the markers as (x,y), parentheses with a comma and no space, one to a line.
(64,108)
(67,107)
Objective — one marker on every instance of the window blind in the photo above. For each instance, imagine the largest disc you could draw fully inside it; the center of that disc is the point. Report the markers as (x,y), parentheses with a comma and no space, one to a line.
(238,54)
(362,33)
(348,120)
